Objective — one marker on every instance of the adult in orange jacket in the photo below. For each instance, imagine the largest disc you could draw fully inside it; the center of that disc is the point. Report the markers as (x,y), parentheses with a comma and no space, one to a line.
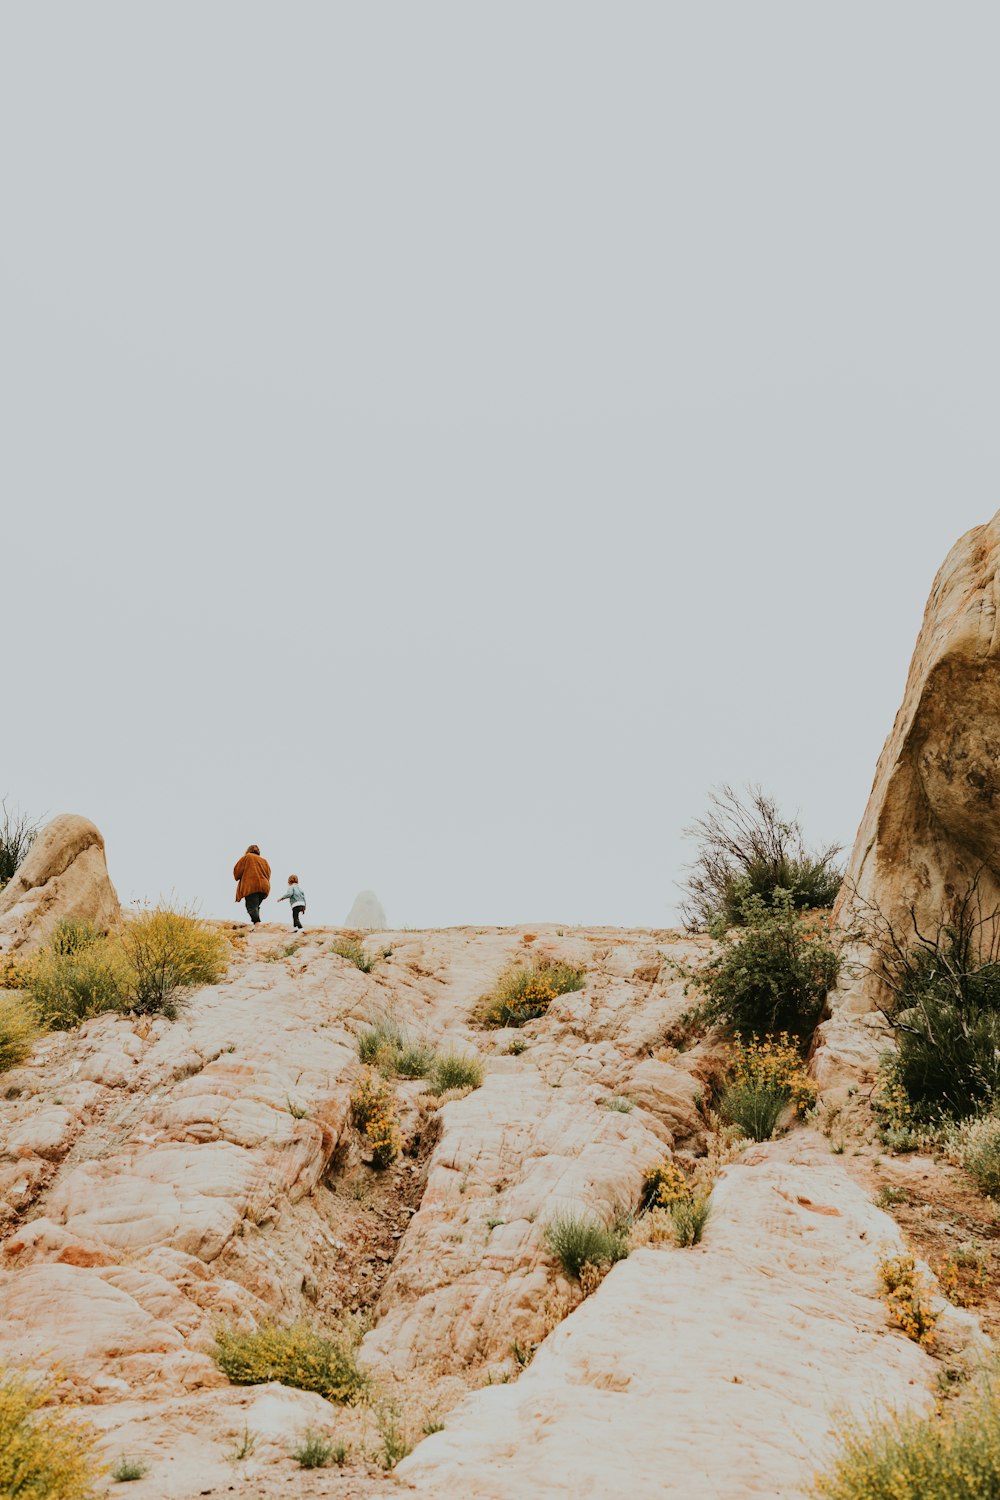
(253,876)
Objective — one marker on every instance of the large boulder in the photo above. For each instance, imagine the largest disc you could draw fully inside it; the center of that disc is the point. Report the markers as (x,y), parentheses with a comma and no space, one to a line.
(64,875)
(367,913)
(932,824)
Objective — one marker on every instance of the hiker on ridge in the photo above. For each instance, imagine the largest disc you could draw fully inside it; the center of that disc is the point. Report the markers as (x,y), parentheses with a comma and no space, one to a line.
(254,876)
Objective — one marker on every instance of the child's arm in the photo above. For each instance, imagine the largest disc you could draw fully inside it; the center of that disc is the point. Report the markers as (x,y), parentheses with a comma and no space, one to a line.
(286,897)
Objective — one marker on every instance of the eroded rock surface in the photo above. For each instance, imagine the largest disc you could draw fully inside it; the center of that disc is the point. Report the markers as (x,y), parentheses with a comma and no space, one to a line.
(932,823)
(65,874)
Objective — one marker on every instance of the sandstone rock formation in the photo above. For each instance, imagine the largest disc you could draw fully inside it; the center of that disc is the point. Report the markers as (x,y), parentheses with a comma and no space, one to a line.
(158,1178)
(367,913)
(64,875)
(932,824)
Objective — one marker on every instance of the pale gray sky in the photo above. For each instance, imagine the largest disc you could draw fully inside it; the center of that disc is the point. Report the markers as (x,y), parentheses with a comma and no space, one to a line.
(440,441)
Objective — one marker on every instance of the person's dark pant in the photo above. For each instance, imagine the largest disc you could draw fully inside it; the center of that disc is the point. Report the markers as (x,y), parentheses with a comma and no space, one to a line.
(296,916)
(253,906)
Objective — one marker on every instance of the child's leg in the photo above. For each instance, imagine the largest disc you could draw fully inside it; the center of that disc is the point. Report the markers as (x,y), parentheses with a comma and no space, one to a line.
(297,916)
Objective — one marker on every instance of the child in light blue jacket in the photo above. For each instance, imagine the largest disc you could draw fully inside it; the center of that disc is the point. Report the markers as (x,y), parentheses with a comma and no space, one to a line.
(297,896)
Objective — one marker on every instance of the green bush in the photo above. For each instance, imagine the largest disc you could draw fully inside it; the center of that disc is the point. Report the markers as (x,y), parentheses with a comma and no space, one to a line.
(128,1469)
(578,1240)
(977,1144)
(689,1217)
(44,1454)
(17,834)
(68,987)
(943,1004)
(296,1356)
(455,1070)
(353,949)
(952,1454)
(524,991)
(314,1451)
(772,976)
(18,1030)
(384,1045)
(765,1078)
(748,849)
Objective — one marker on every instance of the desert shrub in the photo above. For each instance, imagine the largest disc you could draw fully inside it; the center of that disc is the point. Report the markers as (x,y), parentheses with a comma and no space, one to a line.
(415,1060)
(579,1240)
(907,1296)
(765,1077)
(18,1030)
(664,1184)
(952,1454)
(353,949)
(772,976)
(127,1469)
(166,952)
(748,849)
(296,1356)
(373,1107)
(17,834)
(395,1438)
(940,994)
(68,987)
(523,992)
(689,1217)
(977,1145)
(620,1103)
(143,967)
(455,1070)
(314,1451)
(44,1454)
(384,1045)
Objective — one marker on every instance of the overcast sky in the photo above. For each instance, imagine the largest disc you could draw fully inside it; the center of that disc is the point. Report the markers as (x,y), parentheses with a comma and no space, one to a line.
(441,441)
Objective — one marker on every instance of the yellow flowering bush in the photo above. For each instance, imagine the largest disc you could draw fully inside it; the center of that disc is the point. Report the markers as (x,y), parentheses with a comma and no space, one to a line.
(765,1076)
(524,992)
(907,1296)
(18,1030)
(663,1185)
(297,1356)
(44,1453)
(373,1108)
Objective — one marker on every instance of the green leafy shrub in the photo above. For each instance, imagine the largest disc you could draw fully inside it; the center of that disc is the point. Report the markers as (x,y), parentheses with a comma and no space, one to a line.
(578,1240)
(18,1029)
(353,949)
(942,999)
(748,849)
(772,976)
(314,1451)
(384,1045)
(689,1217)
(128,1469)
(977,1144)
(524,991)
(70,985)
(296,1356)
(952,1454)
(764,1079)
(44,1453)
(455,1070)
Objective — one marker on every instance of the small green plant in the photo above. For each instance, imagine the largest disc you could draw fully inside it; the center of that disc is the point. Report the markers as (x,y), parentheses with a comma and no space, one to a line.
(765,1078)
(517,1046)
(353,949)
(244,1447)
(373,1109)
(395,1441)
(44,1453)
(689,1217)
(619,1103)
(297,1356)
(380,1043)
(951,1454)
(314,1451)
(977,1145)
(578,1240)
(907,1296)
(431,1427)
(17,834)
(18,1029)
(414,1060)
(772,976)
(455,1070)
(523,992)
(127,1469)
(889,1195)
(297,1111)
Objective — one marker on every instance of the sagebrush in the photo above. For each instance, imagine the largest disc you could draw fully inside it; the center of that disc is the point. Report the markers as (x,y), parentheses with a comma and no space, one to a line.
(524,991)
(353,949)
(297,1355)
(579,1240)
